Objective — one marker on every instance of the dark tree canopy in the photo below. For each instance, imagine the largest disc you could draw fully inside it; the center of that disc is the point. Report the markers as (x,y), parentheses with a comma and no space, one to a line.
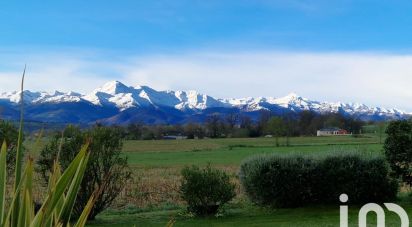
(238,125)
(214,126)
(107,168)
(398,149)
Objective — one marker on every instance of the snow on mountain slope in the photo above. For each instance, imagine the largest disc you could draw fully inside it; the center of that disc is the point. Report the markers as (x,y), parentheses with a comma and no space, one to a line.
(295,102)
(291,101)
(58,97)
(194,100)
(112,93)
(41,97)
(123,97)
(14,97)
(117,94)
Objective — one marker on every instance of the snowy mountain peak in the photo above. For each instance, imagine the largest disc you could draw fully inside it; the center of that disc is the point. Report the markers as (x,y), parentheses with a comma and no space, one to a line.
(114,87)
(116,95)
(293,96)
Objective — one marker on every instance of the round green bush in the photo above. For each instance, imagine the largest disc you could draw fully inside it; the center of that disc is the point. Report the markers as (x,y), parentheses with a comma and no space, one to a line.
(205,190)
(299,180)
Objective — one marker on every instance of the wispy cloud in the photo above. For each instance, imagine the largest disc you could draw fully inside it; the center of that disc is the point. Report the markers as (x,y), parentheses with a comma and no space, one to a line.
(51,71)
(378,79)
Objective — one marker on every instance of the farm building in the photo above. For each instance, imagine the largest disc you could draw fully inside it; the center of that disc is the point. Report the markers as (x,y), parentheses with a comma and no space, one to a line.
(331,132)
(174,137)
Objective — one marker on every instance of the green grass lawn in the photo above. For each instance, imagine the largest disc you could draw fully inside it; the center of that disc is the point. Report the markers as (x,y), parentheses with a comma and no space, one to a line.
(211,144)
(233,151)
(168,155)
(245,214)
(230,156)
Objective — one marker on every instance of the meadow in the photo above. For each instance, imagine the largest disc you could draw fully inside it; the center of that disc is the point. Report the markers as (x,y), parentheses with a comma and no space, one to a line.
(152,198)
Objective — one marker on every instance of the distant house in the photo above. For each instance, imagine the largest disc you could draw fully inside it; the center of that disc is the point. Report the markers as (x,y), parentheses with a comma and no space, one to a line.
(332,132)
(173,137)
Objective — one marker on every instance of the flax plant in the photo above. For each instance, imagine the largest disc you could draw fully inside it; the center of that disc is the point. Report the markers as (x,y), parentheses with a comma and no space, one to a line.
(62,189)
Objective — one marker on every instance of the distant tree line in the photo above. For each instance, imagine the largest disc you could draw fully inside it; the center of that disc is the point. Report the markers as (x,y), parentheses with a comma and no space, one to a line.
(234,125)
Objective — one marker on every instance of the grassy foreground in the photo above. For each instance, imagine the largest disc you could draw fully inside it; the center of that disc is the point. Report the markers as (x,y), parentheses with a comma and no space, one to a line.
(245,214)
(153,200)
(157,165)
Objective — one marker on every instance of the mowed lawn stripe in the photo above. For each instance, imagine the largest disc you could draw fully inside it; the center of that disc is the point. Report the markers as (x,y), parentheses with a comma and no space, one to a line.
(212,144)
(230,156)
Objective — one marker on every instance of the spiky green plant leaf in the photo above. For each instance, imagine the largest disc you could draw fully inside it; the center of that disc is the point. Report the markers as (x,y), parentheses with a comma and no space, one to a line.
(19,154)
(3,172)
(46,211)
(62,191)
(72,192)
(86,211)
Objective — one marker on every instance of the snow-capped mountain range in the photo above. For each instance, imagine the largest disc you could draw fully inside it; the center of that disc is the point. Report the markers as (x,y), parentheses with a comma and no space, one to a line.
(115,102)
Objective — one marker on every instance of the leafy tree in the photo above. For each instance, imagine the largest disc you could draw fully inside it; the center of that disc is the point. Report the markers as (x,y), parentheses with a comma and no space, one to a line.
(148,134)
(277,127)
(158,131)
(334,120)
(232,120)
(246,122)
(248,127)
(107,169)
(134,131)
(192,130)
(289,127)
(264,116)
(214,126)
(306,123)
(398,149)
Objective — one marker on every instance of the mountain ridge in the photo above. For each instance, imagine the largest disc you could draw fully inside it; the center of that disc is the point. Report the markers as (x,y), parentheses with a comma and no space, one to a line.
(115,98)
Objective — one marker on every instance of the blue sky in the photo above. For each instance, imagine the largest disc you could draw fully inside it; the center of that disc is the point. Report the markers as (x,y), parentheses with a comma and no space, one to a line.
(174,25)
(352,51)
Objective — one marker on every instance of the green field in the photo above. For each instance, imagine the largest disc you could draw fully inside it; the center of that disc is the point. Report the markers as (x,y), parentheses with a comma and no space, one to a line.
(153,198)
(233,151)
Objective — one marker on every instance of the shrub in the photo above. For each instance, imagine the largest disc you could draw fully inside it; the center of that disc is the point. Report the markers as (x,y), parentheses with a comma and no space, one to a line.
(298,180)
(107,169)
(398,149)
(205,190)
(365,178)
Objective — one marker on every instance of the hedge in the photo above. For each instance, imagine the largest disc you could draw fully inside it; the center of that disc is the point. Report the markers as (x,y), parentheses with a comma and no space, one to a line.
(298,180)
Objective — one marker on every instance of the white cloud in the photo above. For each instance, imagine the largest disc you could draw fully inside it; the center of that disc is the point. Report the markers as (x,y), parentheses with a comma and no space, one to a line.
(51,71)
(376,79)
